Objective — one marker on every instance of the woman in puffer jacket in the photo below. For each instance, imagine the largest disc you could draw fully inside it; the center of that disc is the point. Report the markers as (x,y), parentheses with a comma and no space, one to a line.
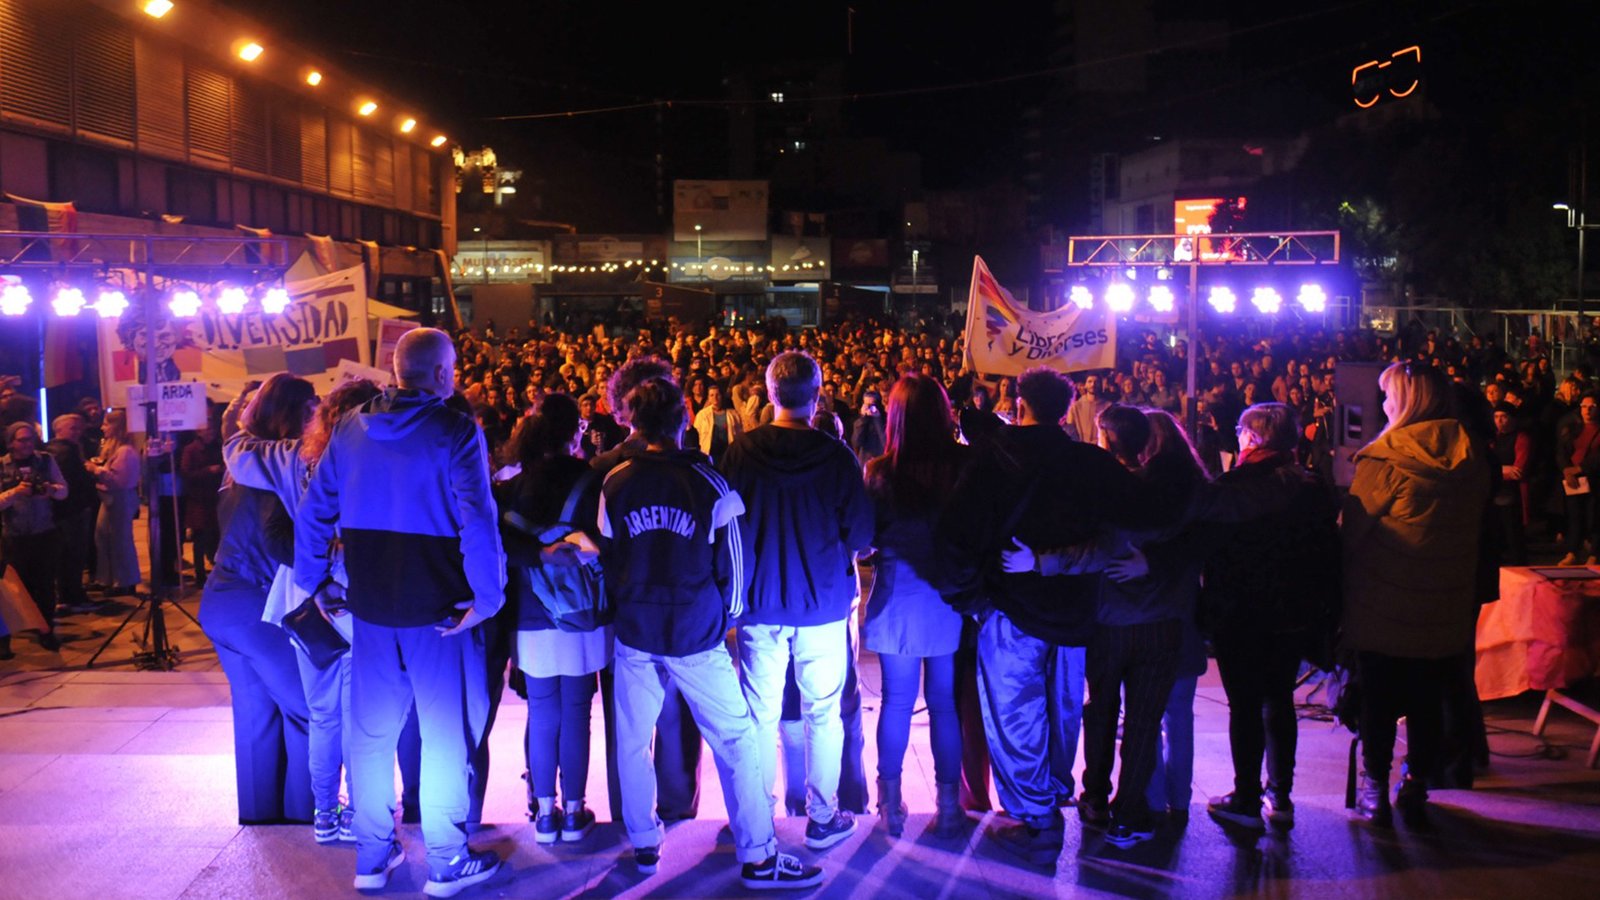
(1411,534)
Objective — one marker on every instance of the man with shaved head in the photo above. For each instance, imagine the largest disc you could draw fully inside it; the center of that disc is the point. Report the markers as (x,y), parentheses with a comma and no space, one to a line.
(404,486)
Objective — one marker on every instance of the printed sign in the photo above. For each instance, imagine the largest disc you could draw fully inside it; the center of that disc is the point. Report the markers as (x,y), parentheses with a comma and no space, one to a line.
(180,406)
(1005,339)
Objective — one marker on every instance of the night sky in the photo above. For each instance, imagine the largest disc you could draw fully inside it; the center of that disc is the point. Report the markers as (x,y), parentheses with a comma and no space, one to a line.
(1288,70)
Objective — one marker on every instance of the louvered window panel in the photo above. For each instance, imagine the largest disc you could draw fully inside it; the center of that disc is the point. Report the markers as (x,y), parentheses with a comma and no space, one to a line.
(423,198)
(382,169)
(102,79)
(35,64)
(341,168)
(285,140)
(249,131)
(206,98)
(314,149)
(158,93)
(402,176)
(361,156)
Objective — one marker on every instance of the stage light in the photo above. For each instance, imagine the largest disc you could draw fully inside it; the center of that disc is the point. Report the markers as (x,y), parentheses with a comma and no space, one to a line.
(68,301)
(275,301)
(1163,274)
(1119,297)
(111,303)
(15,300)
(408,126)
(1222,300)
(313,78)
(232,301)
(438,140)
(1313,299)
(251,51)
(1161,299)
(367,108)
(185,304)
(155,9)
(1080,297)
(1267,300)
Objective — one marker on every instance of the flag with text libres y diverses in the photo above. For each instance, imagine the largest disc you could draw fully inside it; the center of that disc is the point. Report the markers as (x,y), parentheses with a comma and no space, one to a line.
(1006,338)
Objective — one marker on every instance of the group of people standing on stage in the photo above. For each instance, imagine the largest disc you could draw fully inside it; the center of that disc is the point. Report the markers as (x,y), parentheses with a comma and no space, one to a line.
(703,599)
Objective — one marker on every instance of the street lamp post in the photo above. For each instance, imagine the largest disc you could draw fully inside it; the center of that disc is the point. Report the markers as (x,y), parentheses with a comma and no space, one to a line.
(1576,219)
(699,257)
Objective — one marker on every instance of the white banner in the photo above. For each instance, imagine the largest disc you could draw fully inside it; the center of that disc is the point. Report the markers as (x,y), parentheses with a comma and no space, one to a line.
(1004,338)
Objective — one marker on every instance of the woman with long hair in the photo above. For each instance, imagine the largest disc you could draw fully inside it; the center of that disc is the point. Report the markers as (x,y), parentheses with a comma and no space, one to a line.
(271,720)
(116,472)
(561,667)
(909,624)
(1411,540)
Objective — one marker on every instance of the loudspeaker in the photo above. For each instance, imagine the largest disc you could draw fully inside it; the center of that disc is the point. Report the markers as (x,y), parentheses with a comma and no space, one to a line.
(1358,417)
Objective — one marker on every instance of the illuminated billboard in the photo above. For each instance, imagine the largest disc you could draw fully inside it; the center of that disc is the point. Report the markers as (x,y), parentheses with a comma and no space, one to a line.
(1192,218)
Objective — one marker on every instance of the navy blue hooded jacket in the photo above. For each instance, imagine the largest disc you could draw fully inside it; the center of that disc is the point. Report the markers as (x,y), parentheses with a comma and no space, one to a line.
(405,484)
(809,513)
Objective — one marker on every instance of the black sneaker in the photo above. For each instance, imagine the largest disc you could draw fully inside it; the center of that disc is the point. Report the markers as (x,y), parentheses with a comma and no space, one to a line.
(576,824)
(1279,809)
(546,827)
(1127,834)
(646,859)
(1037,846)
(781,872)
(325,826)
(822,835)
(1093,811)
(1232,809)
(378,878)
(466,870)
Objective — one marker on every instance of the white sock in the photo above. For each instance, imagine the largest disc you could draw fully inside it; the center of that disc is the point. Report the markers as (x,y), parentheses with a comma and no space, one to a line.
(547,806)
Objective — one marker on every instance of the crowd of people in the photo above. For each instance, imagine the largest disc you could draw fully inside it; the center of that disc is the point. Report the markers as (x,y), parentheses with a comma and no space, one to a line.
(705,526)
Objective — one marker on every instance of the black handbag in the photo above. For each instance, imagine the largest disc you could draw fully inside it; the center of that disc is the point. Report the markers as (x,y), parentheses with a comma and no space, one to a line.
(316,637)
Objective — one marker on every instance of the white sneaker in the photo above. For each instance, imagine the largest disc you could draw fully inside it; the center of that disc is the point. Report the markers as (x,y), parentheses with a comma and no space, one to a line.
(378,879)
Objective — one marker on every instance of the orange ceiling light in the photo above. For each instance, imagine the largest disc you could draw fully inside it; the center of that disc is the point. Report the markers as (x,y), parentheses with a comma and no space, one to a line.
(313,78)
(367,108)
(438,140)
(250,51)
(155,9)
(408,126)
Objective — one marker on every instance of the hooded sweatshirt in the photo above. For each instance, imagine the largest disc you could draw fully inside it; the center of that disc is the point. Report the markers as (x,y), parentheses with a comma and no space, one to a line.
(1410,529)
(808,515)
(405,484)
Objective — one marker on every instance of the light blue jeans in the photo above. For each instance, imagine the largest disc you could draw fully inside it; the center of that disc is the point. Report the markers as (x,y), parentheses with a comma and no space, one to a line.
(1171,784)
(391,667)
(709,684)
(819,653)
(328,696)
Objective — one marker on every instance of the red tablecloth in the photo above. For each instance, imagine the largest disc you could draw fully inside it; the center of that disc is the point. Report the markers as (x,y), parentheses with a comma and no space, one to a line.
(1540,634)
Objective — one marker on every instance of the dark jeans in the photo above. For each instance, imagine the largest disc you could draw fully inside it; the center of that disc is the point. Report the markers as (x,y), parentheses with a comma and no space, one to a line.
(36,557)
(1140,662)
(901,675)
(558,734)
(271,722)
(1582,523)
(1258,673)
(77,535)
(1515,534)
(1392,687)
(974,742)
(169,525)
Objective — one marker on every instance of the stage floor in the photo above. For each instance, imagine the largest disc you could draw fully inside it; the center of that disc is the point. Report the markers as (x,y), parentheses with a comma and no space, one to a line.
(119,784)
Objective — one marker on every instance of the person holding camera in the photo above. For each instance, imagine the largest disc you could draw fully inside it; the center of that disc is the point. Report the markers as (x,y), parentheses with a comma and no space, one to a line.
(30,484)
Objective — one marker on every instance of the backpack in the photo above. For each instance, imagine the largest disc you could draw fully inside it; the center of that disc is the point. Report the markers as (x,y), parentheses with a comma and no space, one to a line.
(573,596)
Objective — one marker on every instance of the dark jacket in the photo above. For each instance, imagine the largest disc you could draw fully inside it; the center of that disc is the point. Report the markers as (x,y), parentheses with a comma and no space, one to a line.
(538,496)
(1280,572)
(81,495)
(257,538)
(672,552)
(808,515)
(1039,485)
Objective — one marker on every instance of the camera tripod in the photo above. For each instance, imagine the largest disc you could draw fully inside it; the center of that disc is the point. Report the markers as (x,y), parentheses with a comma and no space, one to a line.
(155,652)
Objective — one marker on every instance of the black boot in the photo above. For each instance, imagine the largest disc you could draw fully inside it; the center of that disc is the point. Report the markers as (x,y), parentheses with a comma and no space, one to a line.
(1372,801)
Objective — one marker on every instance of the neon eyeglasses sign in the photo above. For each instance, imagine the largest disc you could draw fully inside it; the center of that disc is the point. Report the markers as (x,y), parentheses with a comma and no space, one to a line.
(1375,76)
